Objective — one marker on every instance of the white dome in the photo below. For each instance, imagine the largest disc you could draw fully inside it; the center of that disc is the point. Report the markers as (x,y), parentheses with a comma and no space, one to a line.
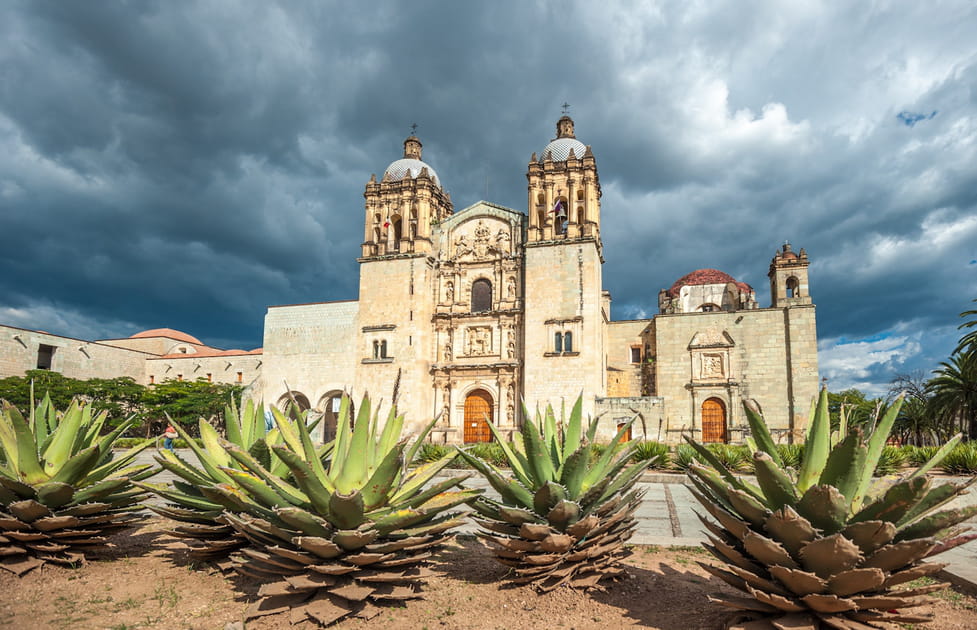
(401,167)
(561,149)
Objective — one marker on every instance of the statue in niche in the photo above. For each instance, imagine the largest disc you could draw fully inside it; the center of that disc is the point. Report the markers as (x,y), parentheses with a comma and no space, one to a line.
(449,292)
(511,348)
(447,352)
(446,408)
(510,405)
(479,341)
(502,241)
(511,288)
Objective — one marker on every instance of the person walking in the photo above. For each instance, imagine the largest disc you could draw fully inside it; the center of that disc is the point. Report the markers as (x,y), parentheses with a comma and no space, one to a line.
(169,435)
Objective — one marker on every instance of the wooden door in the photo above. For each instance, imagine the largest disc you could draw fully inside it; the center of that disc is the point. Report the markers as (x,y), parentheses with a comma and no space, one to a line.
(478,406)
(713,420)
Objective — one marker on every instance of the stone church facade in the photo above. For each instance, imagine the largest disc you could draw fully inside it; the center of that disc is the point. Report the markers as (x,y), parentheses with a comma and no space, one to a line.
(468,313)
(471,312)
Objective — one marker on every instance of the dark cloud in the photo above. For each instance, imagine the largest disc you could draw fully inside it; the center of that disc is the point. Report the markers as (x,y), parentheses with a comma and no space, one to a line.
(187,164)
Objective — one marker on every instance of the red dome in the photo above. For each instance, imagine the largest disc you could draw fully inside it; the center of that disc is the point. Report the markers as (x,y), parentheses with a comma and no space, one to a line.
(706,276)
(169,333)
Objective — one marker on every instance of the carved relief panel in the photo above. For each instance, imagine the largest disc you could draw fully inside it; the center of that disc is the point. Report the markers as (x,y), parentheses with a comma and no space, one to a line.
(478,341)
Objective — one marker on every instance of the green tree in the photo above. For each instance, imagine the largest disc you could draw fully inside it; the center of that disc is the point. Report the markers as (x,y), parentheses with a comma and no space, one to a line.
(969,340)
(954,391)
(17,389)
(121,396)
(859,408)
(186,402)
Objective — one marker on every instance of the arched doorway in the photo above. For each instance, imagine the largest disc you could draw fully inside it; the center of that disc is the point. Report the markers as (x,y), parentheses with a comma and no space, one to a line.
(478,406)
(713,420)
(329,406)
(294,409)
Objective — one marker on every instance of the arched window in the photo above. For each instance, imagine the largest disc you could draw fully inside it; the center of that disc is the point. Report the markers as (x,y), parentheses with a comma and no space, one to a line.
(397,228)
(568,342)
(481,295)
(579,194)
(383,348)
(561,216)
(793,287)
(581,216)
(709,308)
(558,342)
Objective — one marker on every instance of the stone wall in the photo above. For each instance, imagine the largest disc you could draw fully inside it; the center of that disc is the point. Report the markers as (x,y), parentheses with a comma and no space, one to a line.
(74,358)
(236,369)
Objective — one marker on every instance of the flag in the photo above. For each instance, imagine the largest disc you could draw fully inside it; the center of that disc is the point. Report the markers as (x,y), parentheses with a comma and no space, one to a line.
(386,224)
(558,206)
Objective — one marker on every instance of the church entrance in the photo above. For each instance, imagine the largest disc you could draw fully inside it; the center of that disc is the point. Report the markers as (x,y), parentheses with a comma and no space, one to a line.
(478,406)
(713,420)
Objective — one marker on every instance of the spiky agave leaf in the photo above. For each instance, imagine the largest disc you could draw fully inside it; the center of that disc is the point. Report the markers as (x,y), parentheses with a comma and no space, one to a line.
(562,519)
(814,552)
(337,539)
(62,489)
(200,524)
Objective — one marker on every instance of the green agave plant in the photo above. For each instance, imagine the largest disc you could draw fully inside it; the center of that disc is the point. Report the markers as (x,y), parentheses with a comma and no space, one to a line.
(829,547)
(561,519)
(337,538)
(61,487)
(201,525)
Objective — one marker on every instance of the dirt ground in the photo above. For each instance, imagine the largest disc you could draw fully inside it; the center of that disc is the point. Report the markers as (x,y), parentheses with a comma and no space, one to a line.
(143,583)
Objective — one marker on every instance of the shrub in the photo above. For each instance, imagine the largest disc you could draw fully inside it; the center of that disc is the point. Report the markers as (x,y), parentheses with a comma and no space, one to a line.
(649,449)
(735,458)
(891,460)
(431,452)
(919,455)
(962,460)
(491,452)
(684,456)
(791,455)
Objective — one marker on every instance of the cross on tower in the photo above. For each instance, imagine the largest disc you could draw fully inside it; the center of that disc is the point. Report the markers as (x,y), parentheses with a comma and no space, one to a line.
(413,129)
(566,108)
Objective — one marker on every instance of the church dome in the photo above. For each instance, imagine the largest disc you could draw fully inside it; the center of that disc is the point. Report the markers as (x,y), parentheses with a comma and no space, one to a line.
(706,276)
(404,166)
(169,333)
(561,149)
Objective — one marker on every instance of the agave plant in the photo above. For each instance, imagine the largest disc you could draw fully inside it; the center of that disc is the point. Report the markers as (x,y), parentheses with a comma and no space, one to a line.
(61,488)
(200,523)
(561,518)
(829,548)
(339,537)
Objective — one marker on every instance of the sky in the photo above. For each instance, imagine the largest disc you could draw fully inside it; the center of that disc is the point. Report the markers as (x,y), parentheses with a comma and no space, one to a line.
(186,164)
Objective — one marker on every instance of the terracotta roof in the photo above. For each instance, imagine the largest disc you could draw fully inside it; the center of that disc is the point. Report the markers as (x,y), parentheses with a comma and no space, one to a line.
(169,333)
(706,276)
(205,351)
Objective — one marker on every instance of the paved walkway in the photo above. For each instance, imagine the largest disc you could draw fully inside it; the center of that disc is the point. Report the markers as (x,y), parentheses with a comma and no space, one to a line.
(667,518)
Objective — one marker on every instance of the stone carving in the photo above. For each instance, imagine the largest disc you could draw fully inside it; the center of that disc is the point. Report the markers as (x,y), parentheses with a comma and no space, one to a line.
(510,288)
(482,245)
(511,349)
(510,406)
(462,248)
(479,341)
(503,242)
(446,355)
(449,292)
(712,366)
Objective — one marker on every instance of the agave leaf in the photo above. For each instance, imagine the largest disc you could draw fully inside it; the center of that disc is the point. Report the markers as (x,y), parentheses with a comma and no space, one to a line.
(748,508)
(601,468)
(418,477)
(939,456)
(287,491)
(935,523)
(776,485)
(830,555)
(718,466)
(551,437)
(845,465)
(824,507)
(419,440)
(343,435)
(232,424)
(28,466)
(313,487)
(896,502)
(59,449)
(622,481)
(512,492)
(78,467)
(304,521)
(760,433)
(309,449)
(173,463)
(856,581)
(768,551)
(574,469)
(934,499)
(875,445)
(516,459)
(898,555)
(870,535)
(548,495)
(541,466)
(378,486)
(352,472)
(208,435)
(817,446)
(799,582)
(390,436)
(256,488)
(573,428)
(203,456)
(347,509)
(119,462)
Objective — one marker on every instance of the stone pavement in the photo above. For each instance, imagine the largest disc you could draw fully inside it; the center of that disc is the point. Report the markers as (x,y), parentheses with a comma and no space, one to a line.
(667,518)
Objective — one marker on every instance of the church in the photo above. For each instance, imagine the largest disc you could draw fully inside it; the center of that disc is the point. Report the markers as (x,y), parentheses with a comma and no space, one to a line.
(466,314)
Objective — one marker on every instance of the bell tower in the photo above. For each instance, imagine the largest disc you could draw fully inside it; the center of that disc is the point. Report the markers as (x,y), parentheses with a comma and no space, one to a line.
(564,190)
(788,278)
(403,206)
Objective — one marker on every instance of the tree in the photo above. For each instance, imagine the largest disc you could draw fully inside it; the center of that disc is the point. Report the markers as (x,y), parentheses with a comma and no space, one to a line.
(969,340)
(186,402)
(954,391)
(916,423)
(859,408)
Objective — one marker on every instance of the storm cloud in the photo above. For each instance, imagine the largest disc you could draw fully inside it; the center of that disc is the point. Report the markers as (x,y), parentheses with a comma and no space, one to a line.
(187,164)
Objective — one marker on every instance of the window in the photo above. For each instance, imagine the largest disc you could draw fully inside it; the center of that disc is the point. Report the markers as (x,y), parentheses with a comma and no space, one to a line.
(45,356)
(709,308)
(563,342)
(376,349)
(179,377)
(635,354)
(568,342)
(383,348)
(152,379)
(210,377)
(793,287)
(481,296)
(558,342)
(240,377)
